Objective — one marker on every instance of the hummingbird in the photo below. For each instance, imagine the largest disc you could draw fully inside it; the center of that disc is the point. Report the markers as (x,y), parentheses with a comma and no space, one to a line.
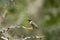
(33,24)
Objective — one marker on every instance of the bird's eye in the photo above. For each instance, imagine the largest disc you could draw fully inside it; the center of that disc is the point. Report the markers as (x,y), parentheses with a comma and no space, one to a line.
(29,20)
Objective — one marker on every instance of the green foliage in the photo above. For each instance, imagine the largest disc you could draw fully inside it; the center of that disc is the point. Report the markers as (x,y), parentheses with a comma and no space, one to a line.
(52,3)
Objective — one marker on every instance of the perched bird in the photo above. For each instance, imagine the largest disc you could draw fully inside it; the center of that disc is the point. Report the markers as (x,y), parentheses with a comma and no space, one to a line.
(33,24)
